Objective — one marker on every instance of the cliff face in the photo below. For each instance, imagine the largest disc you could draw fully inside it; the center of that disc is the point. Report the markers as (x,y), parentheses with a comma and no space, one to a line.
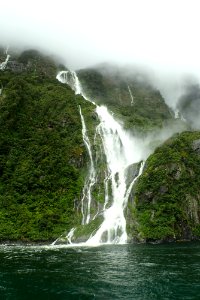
(42,155)
(167,197)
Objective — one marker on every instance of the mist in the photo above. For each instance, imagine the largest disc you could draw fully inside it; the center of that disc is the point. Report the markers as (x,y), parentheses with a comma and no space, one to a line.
(157,35)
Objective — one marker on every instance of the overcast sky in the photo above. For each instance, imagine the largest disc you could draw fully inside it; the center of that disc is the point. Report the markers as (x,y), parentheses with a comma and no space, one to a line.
(159,33)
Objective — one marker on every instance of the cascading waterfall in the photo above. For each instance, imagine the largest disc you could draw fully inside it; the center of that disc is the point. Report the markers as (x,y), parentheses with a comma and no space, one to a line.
(113,228)
(70,235)
(131,95)
(70,78)
(121,151)
(4,63)
(87,197)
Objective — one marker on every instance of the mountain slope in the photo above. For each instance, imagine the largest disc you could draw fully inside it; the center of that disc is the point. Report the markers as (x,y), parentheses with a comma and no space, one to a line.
(42,155)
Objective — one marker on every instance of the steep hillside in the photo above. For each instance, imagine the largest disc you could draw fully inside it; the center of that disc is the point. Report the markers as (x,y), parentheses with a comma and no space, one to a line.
(42,155)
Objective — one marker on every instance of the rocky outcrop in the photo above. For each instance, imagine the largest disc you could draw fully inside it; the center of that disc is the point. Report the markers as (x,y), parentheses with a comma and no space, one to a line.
(167,196)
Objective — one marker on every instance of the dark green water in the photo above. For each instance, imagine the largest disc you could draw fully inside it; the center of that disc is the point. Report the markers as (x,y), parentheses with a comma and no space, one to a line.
(108,272)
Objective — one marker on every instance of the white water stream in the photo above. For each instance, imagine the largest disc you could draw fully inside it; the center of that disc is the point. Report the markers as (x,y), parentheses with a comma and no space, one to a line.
(121,151)
(70,78)
(131,95)
(87,196)
(4,63)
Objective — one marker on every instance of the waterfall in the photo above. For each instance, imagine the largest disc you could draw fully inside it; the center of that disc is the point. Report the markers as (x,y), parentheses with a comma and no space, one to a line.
(70,235)
(121,151)
(131,95)
(91,178)
(6,50)
(113,228)
(4,63)
(70,78)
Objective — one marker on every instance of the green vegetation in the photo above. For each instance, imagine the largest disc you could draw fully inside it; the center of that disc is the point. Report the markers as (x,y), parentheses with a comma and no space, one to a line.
(42,155)
(167,197)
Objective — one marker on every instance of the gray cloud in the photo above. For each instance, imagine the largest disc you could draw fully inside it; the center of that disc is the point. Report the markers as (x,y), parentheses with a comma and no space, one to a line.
(161,35)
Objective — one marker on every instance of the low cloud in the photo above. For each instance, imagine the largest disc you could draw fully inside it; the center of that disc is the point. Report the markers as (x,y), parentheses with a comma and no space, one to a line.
(160,35)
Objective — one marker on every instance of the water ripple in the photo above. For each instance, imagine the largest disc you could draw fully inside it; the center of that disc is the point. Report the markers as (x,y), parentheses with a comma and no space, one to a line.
(106,272)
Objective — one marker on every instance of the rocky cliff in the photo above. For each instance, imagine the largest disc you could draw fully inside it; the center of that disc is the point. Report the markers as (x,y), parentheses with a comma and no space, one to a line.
(167,197)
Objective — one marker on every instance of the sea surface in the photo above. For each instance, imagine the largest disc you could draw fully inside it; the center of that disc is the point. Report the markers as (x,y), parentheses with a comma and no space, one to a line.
(167,271)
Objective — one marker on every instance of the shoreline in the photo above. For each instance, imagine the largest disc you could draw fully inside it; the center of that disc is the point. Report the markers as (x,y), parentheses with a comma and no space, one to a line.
(9,243)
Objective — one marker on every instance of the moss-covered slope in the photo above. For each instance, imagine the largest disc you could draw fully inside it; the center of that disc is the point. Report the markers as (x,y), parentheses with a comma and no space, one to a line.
(42,155)
(167,195)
